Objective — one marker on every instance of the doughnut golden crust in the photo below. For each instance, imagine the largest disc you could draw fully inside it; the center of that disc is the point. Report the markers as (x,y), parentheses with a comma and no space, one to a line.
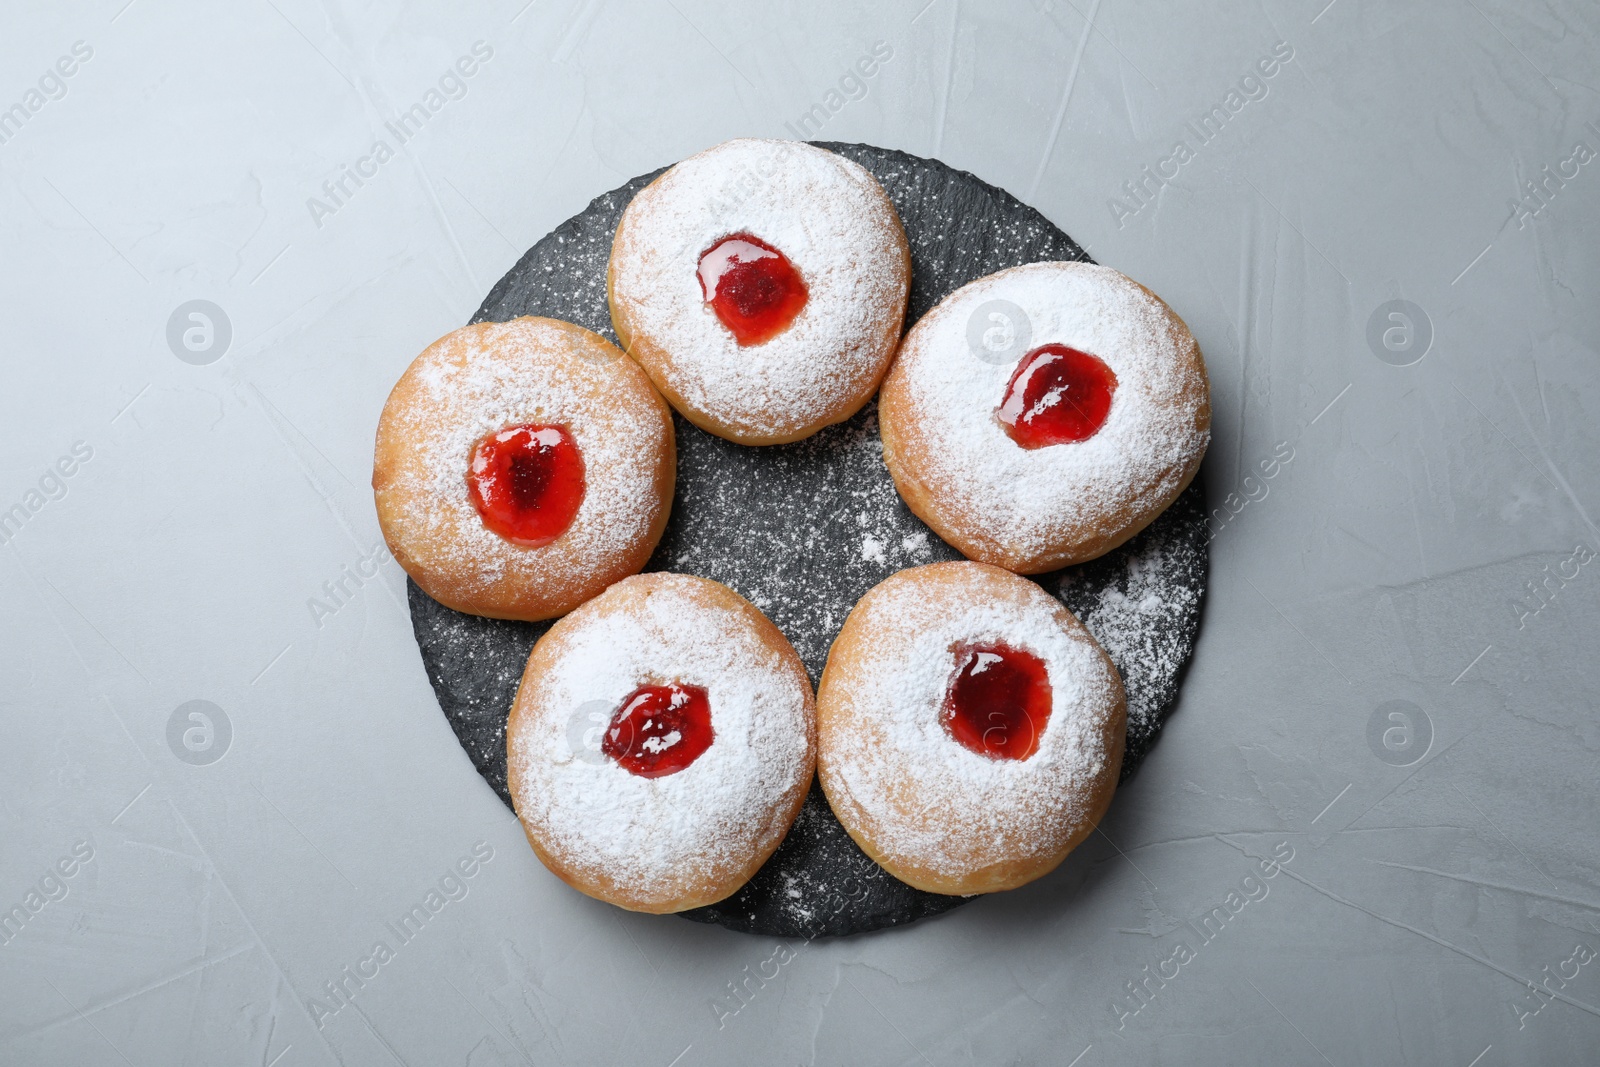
(1035,510)
(480,380)
(833,221)
(688,838)
(933,813)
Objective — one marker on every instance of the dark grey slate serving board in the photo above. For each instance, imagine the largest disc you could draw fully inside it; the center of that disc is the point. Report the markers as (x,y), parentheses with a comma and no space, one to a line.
(803,530)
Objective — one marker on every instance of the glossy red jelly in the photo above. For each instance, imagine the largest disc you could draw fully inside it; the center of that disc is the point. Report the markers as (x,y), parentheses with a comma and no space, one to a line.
(527,483)
(754,289)
(659,729)
(998,701)
(1056,395)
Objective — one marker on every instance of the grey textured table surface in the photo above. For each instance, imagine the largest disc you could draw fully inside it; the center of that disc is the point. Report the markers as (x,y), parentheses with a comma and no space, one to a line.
(1391,711)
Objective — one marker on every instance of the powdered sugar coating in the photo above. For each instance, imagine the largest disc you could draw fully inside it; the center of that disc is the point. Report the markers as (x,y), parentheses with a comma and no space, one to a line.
(682,834)
(830,218)
(1034,509)
(924,800)
(482,379)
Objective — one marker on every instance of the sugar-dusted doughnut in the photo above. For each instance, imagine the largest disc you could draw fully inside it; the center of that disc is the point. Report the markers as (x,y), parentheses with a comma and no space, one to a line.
(522,467)
(763,286)
(1095,420)
(661,743)
(969,729)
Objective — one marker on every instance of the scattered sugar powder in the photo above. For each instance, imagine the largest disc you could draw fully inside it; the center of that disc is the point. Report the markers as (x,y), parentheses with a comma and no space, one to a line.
(822,211)
(651,833)
(1023,497)
(485,378)
(933,802)
(1142,603)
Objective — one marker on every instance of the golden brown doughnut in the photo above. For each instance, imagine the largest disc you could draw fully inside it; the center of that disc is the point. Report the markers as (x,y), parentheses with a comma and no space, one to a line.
(1035,509)
(836,226)
(693,834)
(469,387)
(1006,806)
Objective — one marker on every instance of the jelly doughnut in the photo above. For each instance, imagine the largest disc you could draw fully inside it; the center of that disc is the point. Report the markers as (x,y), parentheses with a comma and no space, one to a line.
(661,743)
(1095,420)
(762,284)
(522,467)
(969,729)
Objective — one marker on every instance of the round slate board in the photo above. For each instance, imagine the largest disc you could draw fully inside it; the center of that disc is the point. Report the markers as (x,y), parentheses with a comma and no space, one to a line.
(803,530)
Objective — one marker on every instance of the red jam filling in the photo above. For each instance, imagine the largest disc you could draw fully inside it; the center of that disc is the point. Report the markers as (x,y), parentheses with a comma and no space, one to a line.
(754,289)
(527,483)
(998,701)
(1056,395)
(659,729)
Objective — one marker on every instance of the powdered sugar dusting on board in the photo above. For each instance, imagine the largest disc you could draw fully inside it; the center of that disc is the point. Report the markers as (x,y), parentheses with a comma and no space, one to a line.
(827,215)
(1142,603)
(654,835)
(1026,499)
(929,801)
(817,523)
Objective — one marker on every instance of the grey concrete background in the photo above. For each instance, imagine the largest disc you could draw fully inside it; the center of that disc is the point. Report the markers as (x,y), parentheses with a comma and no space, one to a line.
(1429,542)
